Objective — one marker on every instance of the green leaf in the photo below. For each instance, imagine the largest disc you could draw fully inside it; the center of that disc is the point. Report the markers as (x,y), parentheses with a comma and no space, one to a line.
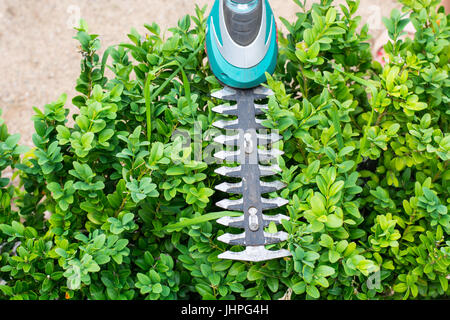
(317,204)
(444,283)
(331,15)
(253,274)
(201,219)
(335,188)
(8,291)
(324,271)
(313,292)
(143,279)
(326,241)
(333,221)
(334,31)
(157,288)
(86,139)
(102,259)
(333,256)
(272,283)
(175,171)
(299,287)
(105,135)
(311,256)
(99,241)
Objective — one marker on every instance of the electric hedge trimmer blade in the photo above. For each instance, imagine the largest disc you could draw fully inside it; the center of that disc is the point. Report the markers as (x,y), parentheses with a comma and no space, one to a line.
(250,171)
(242,46)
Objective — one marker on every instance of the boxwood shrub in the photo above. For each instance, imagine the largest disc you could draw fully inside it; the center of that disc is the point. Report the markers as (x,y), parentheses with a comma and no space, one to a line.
(117,205)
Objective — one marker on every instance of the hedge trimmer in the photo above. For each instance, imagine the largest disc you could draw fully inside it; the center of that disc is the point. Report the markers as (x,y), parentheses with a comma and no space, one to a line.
(242,46)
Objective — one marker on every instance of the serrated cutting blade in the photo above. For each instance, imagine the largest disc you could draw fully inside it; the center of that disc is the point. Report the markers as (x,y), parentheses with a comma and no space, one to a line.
(248,154)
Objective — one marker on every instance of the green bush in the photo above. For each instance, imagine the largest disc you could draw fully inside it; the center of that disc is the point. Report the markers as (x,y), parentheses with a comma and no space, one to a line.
(115,207)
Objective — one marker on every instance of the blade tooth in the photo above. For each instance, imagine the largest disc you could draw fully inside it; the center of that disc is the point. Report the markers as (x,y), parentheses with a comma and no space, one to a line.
(268,204)
(269,170)
(276,218)
(266,139)
(266,155)
(235,222)
(225,94)
(259,124)
(230,156)
(227,110)
(233,239)
(227,124)
(227,140)
(235,188)
(262,92)
(255,254)
(233,205)
(267,187)
(260,108)
(272,238)
(229,172)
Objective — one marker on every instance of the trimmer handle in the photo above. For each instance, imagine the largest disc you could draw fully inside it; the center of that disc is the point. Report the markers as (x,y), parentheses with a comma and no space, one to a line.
(243,20)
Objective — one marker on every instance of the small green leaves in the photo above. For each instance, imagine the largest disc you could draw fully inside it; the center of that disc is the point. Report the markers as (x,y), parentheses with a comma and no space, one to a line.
(78,271)
(198,196)
(330,17)
(313,292)
(50,159)
(84,173)
(437,212)
(318,204)
(142,189)
(157,283)
(82,143)
(63,195)
(395,24)
(124,223)
(385,233)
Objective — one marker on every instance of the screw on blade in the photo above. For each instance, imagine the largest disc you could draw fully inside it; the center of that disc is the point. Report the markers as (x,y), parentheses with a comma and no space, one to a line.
(238,222)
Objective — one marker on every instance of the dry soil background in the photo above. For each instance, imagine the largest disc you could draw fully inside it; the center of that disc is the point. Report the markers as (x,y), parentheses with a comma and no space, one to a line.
(39,58)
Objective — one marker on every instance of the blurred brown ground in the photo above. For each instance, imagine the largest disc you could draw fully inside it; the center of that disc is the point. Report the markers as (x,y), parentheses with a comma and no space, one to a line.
(39,58)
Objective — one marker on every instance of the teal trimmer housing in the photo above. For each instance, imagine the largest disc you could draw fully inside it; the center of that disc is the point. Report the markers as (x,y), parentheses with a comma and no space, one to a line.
(241,42)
